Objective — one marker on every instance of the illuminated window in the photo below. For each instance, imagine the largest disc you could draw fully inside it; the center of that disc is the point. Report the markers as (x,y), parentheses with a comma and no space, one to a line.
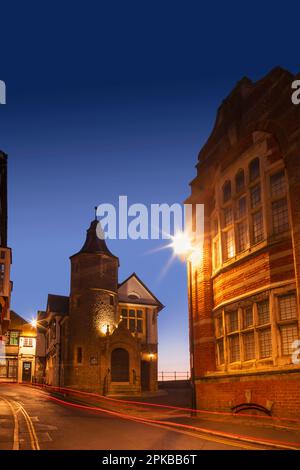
(265,343)
(133,319)
(249,346)
(289,333)
(257,227)
(229,244)
(14,338)
(277,183)
(287,307)
(227,191)
(254,169)
(280,217)
(255,196)
(27,342)
(242,236)
(239,181)
(263,312)
(234,348)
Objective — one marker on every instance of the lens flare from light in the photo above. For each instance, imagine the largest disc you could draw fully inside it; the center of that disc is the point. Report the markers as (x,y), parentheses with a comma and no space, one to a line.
(33,323)
(181,244)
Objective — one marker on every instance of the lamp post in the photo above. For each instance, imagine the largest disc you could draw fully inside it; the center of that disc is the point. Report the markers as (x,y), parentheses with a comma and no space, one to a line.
(183,247)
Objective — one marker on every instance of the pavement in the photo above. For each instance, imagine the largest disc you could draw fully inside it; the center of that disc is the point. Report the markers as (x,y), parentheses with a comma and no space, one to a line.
(34,419)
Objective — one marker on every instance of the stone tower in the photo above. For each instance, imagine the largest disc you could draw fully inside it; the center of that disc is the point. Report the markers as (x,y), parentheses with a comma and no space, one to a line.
(93,311)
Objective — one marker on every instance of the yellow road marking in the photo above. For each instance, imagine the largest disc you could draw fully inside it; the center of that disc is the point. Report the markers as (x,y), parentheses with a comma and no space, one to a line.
(16,443)
(33,437)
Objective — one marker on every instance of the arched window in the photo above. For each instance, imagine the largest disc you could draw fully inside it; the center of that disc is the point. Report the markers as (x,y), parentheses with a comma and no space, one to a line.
(226,191)
(133,296)
(239,181)
(119,365)
(254,169)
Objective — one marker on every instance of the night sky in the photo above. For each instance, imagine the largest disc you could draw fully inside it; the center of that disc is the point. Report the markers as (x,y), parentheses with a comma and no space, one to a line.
(117,98)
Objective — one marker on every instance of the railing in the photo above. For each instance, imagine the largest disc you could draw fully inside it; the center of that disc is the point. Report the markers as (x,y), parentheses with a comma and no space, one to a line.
(174,376)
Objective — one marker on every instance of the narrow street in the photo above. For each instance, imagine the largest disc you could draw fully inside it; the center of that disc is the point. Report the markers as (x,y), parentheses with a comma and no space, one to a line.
(30,420)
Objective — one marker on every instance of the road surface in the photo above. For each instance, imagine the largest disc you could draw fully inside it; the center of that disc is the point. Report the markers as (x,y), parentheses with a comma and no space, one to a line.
(30,420)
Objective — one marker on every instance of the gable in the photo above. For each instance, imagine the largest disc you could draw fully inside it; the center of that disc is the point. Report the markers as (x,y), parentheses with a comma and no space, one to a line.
(134,286)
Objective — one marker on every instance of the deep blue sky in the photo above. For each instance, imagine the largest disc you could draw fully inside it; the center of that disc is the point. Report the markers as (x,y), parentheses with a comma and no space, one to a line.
(109,98)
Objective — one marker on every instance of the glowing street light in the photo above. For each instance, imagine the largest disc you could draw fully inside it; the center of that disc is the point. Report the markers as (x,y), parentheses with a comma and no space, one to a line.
(181,244)
(34,323)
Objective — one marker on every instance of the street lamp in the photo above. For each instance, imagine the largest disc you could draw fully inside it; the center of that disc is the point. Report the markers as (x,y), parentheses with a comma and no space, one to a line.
(34,323)
(183,247)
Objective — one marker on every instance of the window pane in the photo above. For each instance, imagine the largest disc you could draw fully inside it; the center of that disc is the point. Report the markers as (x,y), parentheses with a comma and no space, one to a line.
(277,183)
(229,244)
(241,208)
(257,221)
(27,342)
(255,196)
(132,325)
(219,325)
(242,236)
(248,317)
(124,312)
(140,326)
(233,322)
(14,338)
(287,307)
(220,349)
(227,191)
(131,313)
(289,333)
(139,313)
(249,347)
(216,254)
(280,216)
(254,169)
(240,181)
(263,312)
(228,219)
(265,343)
(234,348)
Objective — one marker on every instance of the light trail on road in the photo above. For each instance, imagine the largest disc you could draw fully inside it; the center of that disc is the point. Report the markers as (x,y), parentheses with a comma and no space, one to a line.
(169,425)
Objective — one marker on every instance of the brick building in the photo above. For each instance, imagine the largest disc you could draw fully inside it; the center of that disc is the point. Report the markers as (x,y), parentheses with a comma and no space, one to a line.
(5,252)
(103,337)
(244,292)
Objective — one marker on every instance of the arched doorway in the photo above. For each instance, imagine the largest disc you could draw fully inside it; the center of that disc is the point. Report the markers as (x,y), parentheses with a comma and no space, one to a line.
(119,365)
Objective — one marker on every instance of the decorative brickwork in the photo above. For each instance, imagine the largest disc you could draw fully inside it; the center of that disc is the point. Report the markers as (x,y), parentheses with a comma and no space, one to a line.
(245,294)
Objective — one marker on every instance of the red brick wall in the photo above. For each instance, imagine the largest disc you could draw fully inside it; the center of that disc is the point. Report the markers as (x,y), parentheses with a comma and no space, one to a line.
(281,389)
